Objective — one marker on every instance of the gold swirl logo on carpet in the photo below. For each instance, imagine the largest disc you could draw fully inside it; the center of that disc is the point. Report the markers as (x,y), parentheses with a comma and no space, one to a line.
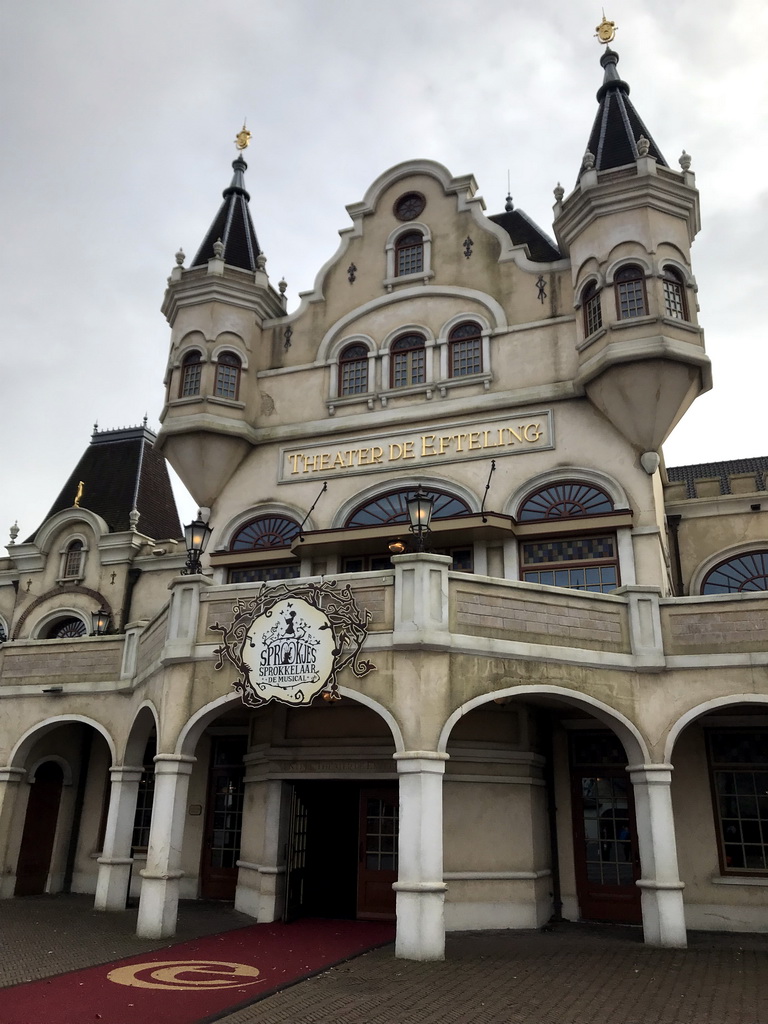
(185,975)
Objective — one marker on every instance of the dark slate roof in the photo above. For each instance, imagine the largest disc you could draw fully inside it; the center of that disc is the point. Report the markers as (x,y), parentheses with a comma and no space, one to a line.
(618,126)
(233,225)
(121,470)
(522,230)
(709,470)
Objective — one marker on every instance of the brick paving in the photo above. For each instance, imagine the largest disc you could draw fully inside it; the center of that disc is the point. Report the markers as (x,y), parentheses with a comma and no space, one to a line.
(571,974)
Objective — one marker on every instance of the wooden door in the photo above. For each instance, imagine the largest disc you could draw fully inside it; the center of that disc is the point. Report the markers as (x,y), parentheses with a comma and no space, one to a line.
(605,845)
(377,859)
(224,820)
(296,858)
(39,830)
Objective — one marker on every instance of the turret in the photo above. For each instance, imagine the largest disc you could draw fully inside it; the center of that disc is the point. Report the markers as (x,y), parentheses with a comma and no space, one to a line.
(216,308)
(628,226)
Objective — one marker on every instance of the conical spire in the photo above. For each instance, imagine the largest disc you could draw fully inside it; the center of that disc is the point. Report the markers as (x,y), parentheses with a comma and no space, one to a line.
(233,226)
(617,127)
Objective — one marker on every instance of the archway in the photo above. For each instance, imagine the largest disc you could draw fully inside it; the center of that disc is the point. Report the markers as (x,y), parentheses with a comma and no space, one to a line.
(40,822)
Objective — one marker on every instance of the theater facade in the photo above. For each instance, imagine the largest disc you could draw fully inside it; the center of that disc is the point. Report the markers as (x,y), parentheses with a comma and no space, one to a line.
(461,651)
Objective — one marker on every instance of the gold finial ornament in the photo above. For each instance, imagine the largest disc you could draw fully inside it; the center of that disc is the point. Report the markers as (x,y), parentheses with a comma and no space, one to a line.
(78,496)
(606,31)
(242,138)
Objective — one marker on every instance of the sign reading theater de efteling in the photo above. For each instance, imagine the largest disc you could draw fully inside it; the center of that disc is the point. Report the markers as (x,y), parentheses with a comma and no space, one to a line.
(291,641)
(451,442)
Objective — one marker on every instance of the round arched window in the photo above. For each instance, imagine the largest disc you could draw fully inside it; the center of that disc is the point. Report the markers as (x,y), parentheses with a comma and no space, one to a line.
(264,532)
(63,629)
(391,508)
(564,501)
(744,573)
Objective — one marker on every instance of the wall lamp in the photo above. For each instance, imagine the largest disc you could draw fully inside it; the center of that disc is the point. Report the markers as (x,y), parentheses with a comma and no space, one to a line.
(196,537)
(420,506)
(100,622)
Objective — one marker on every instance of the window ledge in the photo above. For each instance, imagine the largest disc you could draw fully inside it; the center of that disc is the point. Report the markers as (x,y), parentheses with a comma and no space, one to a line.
(369,399)
(229,402)
(443,386)
(393,282)
(683,325)
(633,321)
(739,880)
(592,338)
(186,400)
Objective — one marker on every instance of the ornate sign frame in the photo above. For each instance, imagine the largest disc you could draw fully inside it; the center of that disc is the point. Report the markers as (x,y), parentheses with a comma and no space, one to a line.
(290,642)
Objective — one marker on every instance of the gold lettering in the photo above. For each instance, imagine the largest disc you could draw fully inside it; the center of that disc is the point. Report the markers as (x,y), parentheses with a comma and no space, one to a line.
(363,458)
(459,441)
(501,437)
(325,460)
(377,453)
(428,441)
(474,440)
(512,434)
(293,459)
(486,442)
(445,442)
(338,461)
(534,429)
(395,452)
(408,452)
(310,463)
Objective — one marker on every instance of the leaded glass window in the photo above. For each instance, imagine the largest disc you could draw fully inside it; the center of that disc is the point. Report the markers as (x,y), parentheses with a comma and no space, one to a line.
(353,370)
(593,314)
(265,573)
(578,563)
(391,508)
(73,559)
(63,629)
(269,531)
(744,573)
(465,350)
(630,293)
(564,501)
(739,765)
(409,254)
(191,374)
(674,295)
(408,361)
(142,819)
(227,376)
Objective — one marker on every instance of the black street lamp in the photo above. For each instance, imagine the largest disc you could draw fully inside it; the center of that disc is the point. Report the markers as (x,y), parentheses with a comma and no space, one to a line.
(420,507)
(196,539)
(100,622)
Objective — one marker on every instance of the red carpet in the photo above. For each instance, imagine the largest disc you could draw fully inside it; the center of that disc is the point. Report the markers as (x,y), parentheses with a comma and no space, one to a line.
(195,981)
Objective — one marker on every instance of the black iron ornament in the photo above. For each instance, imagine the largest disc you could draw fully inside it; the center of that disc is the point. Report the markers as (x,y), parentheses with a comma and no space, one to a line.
(541,284)
(351,272)
(290,643)
(468,243)
(288,336)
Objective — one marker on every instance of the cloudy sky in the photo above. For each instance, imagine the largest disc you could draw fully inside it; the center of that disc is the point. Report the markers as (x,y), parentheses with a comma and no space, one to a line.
(118,121)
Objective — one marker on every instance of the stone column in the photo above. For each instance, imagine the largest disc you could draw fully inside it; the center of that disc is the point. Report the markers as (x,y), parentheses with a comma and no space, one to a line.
(116,860)
(420,887)
(662,890)
(9,788)
(159,901)
(262,826)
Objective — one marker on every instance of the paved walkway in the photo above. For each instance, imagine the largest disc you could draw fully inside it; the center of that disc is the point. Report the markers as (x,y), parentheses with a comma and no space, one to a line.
(573,974)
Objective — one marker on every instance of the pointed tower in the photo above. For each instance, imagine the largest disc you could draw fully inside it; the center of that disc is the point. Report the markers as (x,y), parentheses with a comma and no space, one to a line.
(216,308)
(628,226)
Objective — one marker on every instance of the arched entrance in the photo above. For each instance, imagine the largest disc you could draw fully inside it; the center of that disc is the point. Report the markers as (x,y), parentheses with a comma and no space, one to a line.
(40,822)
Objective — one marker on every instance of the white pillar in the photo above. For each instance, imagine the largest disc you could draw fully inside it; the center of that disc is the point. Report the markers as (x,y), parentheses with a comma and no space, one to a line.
(159,901)
(420,887)
(10,778)
(266,831)
(116,860)
(660,885)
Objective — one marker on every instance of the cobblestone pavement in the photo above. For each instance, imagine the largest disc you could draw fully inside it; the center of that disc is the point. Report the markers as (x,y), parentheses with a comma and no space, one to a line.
(571,974)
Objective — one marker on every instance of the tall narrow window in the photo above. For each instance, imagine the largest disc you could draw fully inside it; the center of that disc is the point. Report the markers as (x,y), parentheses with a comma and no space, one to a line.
(593,314)
(465,351)
(227,376)
(408,361)
(191,373)
(630,293)
(409,254)
(353,370)
(73,560)
(674,295)
(738,761)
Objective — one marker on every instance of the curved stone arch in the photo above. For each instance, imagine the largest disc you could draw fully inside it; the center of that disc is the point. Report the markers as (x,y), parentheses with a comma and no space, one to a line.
(26,740)
(405,483)
(486,328)
(62,762)
(76,589)
(46,533)
(592,277)
(5,627)
(733,551)
(634,260)
(589,267)
(53,616)
(136,743)
(636,748)
(229,346)
(676,264)
(702,709)
(403,329)
(339,344)
(495,312)
(193,729)
(193,341)
(268,508)
(606,483)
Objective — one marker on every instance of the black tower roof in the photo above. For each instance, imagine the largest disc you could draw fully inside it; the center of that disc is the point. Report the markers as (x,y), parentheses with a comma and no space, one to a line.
(618,126)
(233,225)
(121,470)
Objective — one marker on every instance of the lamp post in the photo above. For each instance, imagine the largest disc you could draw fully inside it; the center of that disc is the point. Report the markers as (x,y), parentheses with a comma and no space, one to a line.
(196,539)
(100,622)
(420,507)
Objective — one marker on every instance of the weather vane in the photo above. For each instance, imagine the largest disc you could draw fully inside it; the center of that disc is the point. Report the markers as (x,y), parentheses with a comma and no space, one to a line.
(78,496)
(606,31)
(243,137)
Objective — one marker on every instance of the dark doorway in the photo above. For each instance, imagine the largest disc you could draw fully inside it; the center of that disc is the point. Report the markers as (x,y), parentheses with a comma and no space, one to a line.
(605,834)
(39,830)
(337,864)
(224,818)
